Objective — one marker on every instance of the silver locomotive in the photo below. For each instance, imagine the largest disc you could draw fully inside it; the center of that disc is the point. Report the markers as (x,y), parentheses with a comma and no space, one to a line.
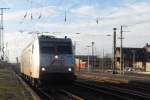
(47,59)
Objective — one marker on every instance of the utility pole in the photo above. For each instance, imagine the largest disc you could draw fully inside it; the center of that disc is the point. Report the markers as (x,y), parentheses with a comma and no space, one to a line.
(121,51)
(93,54)
(1,33)
(123,64)
(79,63)
(6,54)
(103,61)
(133,59)
(122,56)
(114,50)
(88,59)
(17,60)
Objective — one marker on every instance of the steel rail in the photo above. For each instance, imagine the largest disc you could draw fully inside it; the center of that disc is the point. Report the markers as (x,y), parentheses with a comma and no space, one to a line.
(70,95)
(116,90)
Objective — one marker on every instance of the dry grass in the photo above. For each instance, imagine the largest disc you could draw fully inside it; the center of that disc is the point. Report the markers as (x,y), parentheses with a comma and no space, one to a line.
(102,78)
(11,88)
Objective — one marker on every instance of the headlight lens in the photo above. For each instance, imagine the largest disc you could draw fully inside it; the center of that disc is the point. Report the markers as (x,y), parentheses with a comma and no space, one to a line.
(43,69)
(69,69)
(56,57)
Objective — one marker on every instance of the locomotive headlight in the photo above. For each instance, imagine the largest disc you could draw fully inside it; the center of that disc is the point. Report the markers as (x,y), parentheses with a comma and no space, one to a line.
(69,69)
(43,69)
(56,57)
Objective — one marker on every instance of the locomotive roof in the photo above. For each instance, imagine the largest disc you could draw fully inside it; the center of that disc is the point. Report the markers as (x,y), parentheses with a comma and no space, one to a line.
(52,38)
(48,38)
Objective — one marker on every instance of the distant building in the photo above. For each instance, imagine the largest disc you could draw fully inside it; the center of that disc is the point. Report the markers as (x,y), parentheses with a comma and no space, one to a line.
(94,61)
(136,58)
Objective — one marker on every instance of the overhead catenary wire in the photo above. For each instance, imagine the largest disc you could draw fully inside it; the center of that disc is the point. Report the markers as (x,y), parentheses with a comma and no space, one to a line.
(32,5)
(42,5)
(33,13)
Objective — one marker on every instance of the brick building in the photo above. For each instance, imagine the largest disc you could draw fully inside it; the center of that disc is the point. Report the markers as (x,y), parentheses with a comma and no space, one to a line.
(135,58)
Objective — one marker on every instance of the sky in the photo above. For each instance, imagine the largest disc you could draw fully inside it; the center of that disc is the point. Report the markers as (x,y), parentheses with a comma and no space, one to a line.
(25,16)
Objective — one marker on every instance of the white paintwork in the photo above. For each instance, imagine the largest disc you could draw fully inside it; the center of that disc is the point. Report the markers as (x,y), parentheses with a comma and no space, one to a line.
(30,60)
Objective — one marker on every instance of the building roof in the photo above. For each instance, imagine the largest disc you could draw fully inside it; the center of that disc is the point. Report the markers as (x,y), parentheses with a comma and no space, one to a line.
(138,53)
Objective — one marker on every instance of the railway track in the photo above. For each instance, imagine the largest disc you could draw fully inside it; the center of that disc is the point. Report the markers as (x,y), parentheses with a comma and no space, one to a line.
(77,92)
(46,93)
(70,95)
(84,90)
(135,87)
(120,92)
(90,92)
(59,94)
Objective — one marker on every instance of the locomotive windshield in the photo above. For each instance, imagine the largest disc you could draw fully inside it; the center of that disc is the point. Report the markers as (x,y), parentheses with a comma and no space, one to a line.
(56,47)
(49,50)
(64,49)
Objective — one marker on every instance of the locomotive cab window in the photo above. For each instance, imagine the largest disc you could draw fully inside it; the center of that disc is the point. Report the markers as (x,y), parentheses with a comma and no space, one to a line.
(56,47)
(64,50)
(49,50)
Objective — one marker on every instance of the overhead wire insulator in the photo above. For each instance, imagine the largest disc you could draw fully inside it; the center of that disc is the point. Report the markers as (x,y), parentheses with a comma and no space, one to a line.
(31,16)
(25,15)
(65,17)
(97,20)
(40,16)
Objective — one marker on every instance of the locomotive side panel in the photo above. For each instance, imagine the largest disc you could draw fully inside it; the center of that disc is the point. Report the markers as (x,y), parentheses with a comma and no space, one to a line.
(26,67)
(30,60)
(35,61)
